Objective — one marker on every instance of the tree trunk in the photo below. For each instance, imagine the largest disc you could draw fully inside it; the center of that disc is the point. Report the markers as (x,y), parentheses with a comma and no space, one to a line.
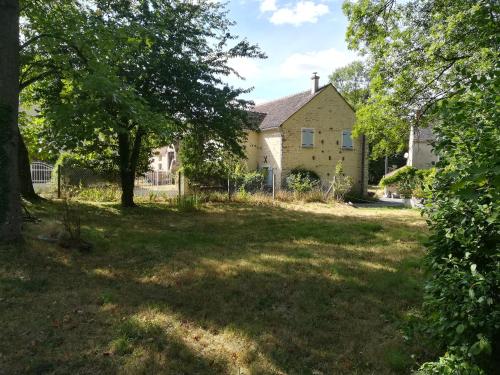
(128,164)
(10,205)
(25,182)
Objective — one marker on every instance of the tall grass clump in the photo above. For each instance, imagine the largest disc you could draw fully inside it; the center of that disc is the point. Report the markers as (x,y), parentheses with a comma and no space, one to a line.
(187,203)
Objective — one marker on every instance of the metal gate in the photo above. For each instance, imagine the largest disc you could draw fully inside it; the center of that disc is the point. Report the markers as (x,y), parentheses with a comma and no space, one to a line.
(41,173)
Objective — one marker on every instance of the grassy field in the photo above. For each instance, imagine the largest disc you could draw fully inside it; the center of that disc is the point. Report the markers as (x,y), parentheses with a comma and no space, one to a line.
(230,289)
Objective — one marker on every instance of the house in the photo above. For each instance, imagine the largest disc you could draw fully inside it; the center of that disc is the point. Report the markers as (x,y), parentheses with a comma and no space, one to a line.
(311,130)
(420,148)
(164,159)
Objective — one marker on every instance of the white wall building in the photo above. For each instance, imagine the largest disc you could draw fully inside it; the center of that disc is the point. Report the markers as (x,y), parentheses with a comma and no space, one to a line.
(420,150)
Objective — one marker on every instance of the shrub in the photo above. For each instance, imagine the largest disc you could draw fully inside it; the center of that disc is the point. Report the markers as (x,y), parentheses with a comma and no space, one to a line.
(187,203)
(110,193)
(411,181)
(341,184)
(76,172)
(462,295)
(245,180)
(302,181)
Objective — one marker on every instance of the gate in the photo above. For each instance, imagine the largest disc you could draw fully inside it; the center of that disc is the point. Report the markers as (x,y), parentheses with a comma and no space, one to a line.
(41,173)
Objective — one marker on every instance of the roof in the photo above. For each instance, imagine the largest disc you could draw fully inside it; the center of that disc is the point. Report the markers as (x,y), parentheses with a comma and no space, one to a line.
(276,112)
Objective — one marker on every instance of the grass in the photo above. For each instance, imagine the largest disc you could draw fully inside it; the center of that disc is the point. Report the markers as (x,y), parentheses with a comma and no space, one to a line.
(226,289)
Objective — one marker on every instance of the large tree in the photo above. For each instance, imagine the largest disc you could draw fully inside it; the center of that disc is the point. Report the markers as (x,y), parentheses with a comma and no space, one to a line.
(353,81)
(420,50)
(145,69)
(436,61)
(10,215)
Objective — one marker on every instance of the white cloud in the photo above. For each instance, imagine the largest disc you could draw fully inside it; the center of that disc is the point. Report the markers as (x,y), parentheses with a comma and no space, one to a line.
(247,68)
(300,65)
(303,11)
(268,6)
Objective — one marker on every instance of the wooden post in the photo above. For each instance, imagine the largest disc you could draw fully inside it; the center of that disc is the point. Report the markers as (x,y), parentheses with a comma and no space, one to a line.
(179,182)
(274,188)
(59,181)
(228,188)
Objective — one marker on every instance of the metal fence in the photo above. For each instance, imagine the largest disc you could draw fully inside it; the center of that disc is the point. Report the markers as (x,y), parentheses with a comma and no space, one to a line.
(41,172)
(49,180)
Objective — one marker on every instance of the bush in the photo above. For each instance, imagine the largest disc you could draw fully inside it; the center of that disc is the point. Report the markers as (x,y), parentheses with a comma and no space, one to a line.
(111,193)
(341,184)
(302,181)
(77,173)
(244,180)
(462,295)
(411,181)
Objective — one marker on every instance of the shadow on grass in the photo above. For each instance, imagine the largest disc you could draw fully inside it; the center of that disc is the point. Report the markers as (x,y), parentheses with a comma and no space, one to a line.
(293,292)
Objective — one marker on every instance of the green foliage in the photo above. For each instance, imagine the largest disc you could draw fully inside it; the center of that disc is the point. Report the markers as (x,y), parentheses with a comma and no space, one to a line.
(376,166)
(245,180)
(352,82)
(116,78)
(76,171)
(341,184)
(410,180)
(205,163)
(302,180)
(109,193)
(40,147)
(187,203)
(463,292)
(419,51)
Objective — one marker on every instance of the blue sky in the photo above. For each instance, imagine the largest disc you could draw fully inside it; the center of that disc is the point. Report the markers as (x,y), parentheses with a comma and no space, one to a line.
(299,37)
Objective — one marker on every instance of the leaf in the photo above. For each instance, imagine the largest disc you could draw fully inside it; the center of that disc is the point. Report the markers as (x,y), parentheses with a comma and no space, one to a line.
(473,268)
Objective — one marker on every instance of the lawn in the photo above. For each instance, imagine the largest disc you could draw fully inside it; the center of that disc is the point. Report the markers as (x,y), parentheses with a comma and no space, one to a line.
(229,289)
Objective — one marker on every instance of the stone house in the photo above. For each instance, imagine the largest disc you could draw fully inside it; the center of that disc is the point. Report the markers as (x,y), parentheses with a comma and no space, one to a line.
(311,130)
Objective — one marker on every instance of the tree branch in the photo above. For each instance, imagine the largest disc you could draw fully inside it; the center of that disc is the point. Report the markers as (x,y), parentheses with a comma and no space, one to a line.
(24,84)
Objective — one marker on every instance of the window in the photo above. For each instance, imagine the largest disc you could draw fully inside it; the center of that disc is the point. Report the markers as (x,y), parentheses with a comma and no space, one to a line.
(307,138)
(159,166)
(347,139)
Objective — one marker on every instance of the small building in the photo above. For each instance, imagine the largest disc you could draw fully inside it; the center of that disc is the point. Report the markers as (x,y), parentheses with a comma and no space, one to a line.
(311,130)
(164,159)
(420,148)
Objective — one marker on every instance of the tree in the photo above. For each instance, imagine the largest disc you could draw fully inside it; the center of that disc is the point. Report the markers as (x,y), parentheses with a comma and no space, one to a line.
(436,61)
(352,81)
(10,215)
(420,51)
(145,69)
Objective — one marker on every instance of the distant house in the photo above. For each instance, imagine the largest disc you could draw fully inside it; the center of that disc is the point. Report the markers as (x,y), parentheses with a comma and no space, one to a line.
(311,130)
(420,148)
(164,159)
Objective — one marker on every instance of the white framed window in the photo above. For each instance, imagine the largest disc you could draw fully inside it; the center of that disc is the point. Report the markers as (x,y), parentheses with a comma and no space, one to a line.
(347,139)
(307,137)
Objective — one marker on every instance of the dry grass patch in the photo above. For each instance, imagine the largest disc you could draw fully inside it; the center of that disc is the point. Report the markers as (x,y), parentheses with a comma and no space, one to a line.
(229,289)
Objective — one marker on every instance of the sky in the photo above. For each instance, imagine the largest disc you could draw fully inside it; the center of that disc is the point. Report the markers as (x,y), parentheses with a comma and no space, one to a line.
(299,38)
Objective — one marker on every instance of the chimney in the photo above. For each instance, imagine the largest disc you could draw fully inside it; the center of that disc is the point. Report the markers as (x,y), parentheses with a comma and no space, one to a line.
(315,83)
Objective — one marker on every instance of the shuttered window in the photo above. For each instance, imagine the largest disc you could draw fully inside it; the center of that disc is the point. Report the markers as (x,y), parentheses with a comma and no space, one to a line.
(307,137)
(347,139)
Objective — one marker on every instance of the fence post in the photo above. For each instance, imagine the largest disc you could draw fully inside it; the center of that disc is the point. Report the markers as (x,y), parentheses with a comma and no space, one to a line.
(59,181)
(179,183)
(274,177)
(228,188)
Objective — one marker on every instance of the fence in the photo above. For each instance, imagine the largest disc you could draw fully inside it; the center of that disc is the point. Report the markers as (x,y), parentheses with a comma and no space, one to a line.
(41,173)
(47,180)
